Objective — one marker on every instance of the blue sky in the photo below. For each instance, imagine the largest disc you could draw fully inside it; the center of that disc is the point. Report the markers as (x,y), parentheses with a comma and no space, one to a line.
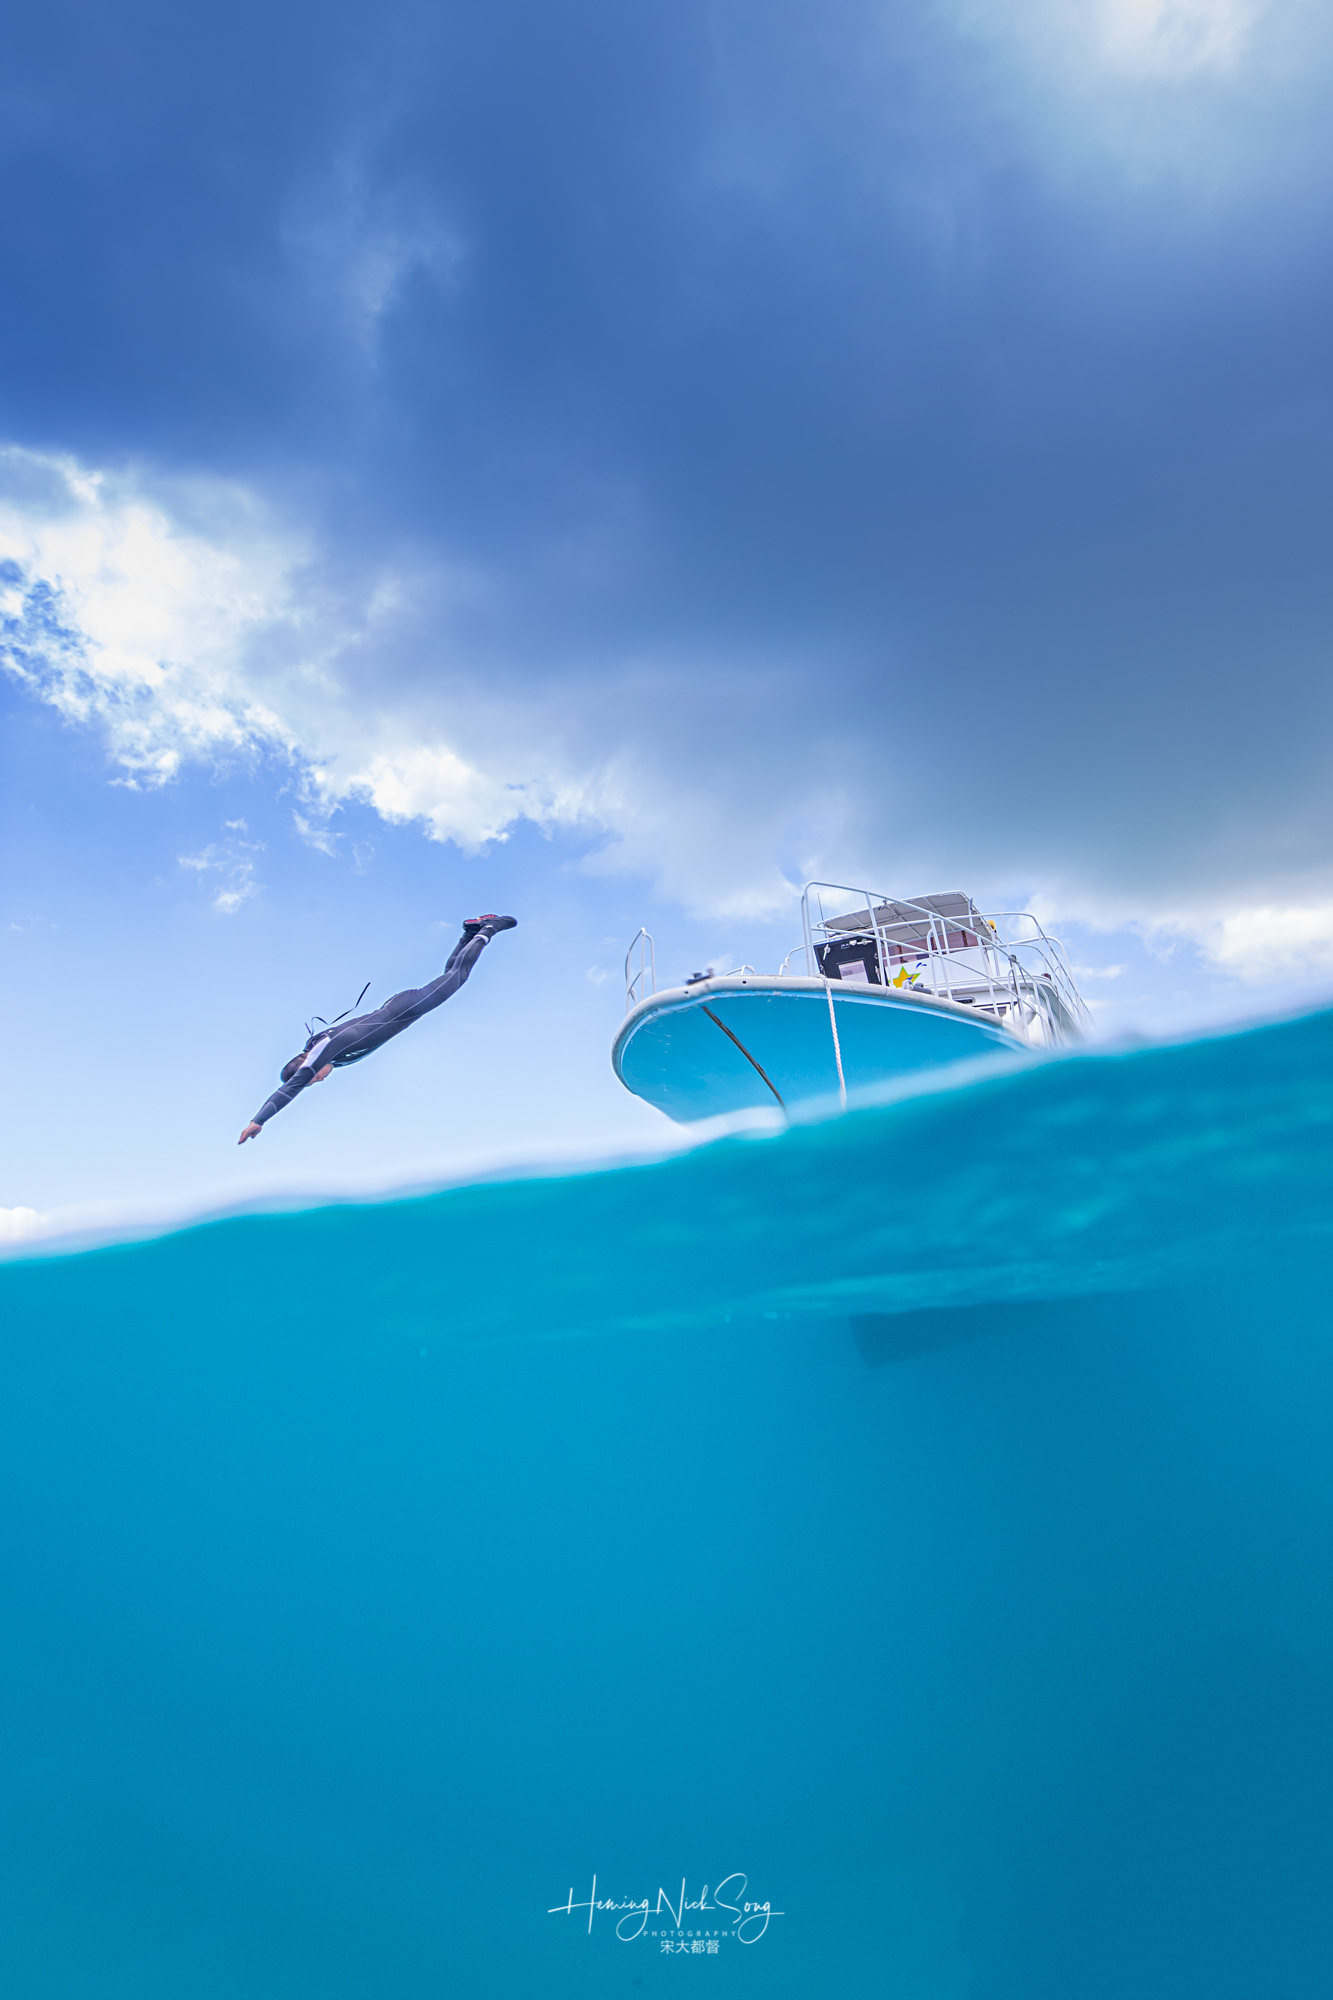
(614,463)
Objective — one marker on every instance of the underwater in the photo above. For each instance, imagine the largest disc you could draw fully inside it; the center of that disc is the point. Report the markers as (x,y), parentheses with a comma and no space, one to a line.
(887,1556)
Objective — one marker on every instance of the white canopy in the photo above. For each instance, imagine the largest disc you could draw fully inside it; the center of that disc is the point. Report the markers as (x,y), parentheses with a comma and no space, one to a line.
(904,922)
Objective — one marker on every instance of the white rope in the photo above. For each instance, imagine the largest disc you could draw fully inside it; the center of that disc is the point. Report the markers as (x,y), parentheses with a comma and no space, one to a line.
(837,1046)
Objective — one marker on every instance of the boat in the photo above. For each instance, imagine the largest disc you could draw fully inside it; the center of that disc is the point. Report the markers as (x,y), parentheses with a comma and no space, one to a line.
(878,989)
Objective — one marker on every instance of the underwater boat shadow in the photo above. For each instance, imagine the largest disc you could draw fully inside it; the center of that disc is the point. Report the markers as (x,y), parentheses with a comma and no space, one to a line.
(883,1338)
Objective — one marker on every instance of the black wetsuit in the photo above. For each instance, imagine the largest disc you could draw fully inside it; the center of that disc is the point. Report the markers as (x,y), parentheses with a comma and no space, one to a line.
(348,1041)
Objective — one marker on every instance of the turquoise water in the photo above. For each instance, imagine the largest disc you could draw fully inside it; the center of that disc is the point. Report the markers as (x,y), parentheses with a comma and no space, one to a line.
(925,1514)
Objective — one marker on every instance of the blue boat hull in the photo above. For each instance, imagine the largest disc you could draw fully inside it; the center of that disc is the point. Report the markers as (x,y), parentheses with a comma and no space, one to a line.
(741,1044)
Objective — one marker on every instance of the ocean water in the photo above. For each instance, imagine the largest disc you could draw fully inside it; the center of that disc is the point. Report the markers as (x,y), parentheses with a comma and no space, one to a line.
(919,1523)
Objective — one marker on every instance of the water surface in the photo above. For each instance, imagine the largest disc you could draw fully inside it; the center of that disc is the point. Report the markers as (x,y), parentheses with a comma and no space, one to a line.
(926,1514)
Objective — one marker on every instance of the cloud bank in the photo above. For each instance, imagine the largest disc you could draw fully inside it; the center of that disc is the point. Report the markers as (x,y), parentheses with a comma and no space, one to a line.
(189,627)
(897,450)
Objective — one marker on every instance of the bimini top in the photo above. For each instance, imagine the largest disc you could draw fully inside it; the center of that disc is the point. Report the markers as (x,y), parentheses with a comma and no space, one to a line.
(879,988)
(951,904)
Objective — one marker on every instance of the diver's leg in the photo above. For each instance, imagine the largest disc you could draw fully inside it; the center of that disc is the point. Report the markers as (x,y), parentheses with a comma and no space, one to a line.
(483,927)
(459,964)
(409,1001)
(418,1000)
(477,934)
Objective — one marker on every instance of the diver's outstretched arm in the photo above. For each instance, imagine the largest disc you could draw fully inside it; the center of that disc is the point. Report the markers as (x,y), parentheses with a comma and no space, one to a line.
(283,1096)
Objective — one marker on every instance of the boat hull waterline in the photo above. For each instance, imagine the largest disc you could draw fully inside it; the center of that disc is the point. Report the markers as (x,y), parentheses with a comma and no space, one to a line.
(759,1042)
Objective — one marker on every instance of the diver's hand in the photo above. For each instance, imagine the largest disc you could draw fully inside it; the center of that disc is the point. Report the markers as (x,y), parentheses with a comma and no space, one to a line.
(252,1131)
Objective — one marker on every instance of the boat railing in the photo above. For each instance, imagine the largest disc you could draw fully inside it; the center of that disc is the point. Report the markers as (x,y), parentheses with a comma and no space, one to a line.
(1004,963)
(1042,957)
(640,969)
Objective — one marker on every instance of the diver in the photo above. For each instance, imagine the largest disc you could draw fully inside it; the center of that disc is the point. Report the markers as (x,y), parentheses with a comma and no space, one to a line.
(346,1042)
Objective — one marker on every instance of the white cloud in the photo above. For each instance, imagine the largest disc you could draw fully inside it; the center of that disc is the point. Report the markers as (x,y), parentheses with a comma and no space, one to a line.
(361,243)
(316,833)
(21,1225)
(1272,941)
(1207,98)
(457,801)
(234,861)
(1259,939)
(1266,933)
(1175,38)
(119,613)
(189,624)
(1114,42)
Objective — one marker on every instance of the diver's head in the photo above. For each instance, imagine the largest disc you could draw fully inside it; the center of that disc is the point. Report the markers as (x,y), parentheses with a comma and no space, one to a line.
(289,1069)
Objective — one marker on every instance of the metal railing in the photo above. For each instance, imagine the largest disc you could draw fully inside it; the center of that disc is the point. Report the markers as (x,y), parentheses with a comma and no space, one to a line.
(640,980)
(1002,963)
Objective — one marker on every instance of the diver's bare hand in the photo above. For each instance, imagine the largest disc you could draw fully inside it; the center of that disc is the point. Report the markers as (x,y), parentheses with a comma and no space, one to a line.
(252,1131)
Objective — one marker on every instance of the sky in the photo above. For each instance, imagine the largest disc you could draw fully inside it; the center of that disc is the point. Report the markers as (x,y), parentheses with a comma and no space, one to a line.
(615,463)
